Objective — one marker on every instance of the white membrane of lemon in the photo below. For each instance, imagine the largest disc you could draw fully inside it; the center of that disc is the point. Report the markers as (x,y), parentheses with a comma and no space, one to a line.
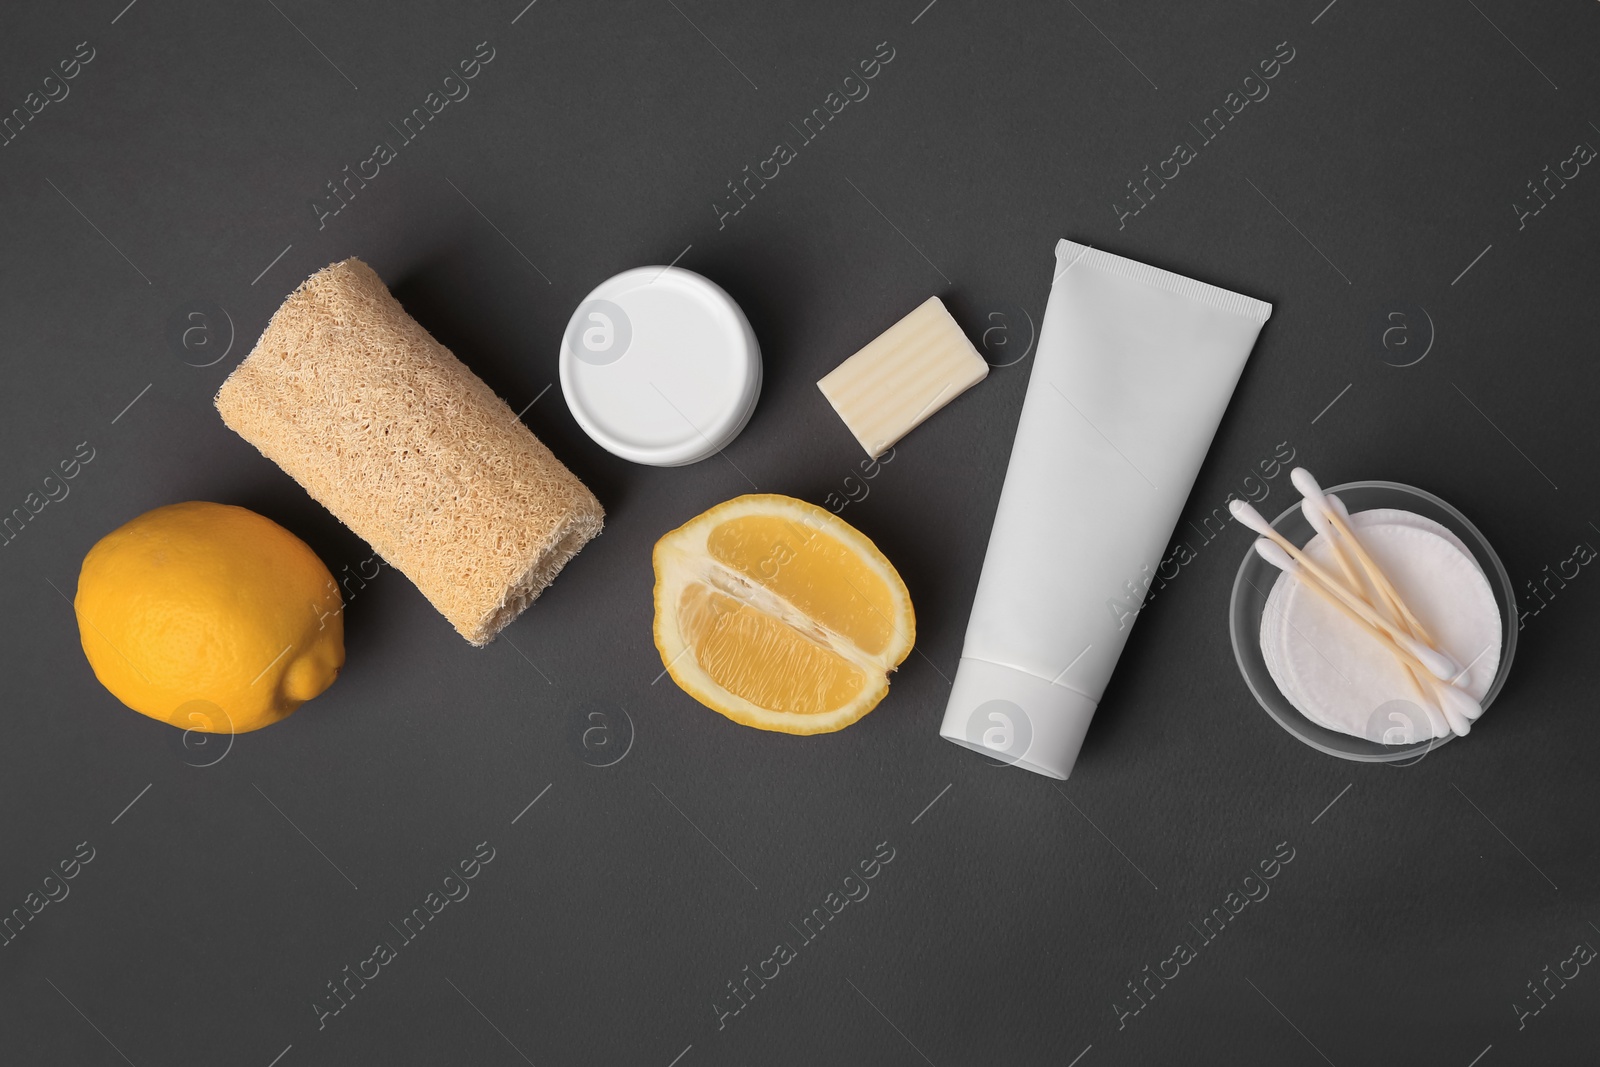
(1337,675)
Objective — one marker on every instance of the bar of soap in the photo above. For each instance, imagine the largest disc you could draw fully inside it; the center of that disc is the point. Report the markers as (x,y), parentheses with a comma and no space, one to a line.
(908,372)
(411,450)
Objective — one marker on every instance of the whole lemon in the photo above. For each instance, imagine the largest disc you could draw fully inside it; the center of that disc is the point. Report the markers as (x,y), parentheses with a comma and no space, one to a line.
(209,617)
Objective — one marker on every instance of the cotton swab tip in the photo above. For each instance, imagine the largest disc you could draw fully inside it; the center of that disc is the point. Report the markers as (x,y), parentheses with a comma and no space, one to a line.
(1460,709)
(1249,516)
(1316,513)
(1438,664)
(1436,718)
(1307,485)
(1459,702)
(1274,554)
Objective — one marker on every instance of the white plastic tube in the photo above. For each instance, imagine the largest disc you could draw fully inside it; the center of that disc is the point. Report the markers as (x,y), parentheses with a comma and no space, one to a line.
(1134,369)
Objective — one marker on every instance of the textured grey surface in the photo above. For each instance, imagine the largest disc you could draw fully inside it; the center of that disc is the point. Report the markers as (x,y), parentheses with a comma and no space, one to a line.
(178,171)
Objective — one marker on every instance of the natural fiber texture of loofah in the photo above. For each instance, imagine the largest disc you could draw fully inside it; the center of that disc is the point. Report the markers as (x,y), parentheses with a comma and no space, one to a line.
(411,450)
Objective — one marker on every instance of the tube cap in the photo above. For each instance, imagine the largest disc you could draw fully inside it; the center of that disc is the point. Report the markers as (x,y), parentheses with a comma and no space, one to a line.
(1017,717)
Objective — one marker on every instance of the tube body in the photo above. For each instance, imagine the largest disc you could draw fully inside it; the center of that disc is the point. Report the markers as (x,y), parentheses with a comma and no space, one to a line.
(1134,369)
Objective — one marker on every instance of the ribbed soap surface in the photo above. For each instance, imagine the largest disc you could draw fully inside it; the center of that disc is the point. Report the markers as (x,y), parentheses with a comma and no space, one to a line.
(907,373)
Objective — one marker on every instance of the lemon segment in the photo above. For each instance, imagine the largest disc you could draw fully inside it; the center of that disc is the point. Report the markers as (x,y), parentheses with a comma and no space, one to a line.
(822,577)
(779,615)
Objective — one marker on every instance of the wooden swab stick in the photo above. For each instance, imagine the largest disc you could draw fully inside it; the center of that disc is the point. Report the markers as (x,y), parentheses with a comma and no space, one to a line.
(1318,518)
(1415,681)
(1357,587)
(1458,707)
(1319,513)
(1340,519)
(1332,511)
(1439,666)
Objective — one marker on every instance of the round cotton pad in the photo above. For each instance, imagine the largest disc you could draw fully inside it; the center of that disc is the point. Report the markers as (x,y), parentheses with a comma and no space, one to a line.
(660,366)
(1275,633)
(1336,674)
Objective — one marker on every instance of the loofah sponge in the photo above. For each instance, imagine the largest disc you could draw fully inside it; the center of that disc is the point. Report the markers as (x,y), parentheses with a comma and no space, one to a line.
(411,450)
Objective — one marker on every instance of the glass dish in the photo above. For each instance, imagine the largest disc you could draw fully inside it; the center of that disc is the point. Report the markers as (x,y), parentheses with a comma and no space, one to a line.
(1256,578)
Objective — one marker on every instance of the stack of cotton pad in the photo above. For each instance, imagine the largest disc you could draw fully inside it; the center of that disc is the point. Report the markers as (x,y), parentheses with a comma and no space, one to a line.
(1338,676)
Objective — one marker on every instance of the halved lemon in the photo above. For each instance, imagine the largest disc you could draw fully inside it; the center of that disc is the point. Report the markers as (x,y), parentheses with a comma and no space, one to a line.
(779,615)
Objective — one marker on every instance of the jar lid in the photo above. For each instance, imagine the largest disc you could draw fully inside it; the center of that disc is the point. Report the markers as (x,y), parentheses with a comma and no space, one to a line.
(660,366)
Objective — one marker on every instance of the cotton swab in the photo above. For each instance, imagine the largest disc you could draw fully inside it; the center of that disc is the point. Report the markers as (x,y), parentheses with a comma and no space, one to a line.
(1319,510)
(1459,708)
(1318,518)
(1339,514)
(1438,665)
(1332,510)
(1465,706)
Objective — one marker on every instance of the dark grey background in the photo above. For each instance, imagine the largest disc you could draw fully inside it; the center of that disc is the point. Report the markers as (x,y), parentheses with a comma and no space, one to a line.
(1387,157)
